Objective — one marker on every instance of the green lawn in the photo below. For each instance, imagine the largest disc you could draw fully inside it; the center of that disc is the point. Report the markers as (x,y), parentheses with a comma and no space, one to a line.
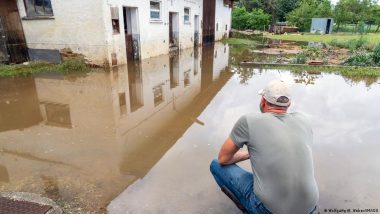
(239,41)
(69,66)
(372,38)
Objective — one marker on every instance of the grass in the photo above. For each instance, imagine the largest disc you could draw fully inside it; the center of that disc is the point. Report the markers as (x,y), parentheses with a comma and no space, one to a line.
(239,41)
(372,38)
(341,70)
(69,66)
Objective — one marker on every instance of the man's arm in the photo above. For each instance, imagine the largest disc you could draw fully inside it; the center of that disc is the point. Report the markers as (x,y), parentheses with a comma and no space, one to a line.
(230,154)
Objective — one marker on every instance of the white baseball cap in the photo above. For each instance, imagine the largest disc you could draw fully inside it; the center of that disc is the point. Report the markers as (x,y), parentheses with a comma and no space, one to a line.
(276,92)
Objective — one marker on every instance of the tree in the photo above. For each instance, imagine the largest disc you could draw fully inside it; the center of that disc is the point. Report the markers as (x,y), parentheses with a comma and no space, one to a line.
(284,7)
(256,19)
(374,17)
(355,11)
(308,9)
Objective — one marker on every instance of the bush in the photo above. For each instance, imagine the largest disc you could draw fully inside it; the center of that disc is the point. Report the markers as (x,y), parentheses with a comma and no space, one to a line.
(300,58)
(376,55)
(360,59)
(352,44)
(255,20)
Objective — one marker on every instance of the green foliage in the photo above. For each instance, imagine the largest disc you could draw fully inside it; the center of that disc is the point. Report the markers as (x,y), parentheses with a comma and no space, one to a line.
(69,66)
(352,44)
(255,20)
(376,55)
(355,11)
(308,9)
(238,41)
(361,27)
(309,54)
(359,59)
(300,58)
(362,58)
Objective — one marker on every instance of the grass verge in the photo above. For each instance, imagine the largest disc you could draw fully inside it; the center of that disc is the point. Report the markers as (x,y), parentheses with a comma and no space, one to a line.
(69,66)
(372,38)
(341,70)
(239,41)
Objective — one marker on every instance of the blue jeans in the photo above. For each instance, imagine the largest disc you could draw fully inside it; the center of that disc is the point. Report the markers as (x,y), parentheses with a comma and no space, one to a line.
(240,183)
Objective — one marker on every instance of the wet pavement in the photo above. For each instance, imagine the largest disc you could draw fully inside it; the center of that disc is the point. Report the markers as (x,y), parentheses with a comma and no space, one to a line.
(147,131)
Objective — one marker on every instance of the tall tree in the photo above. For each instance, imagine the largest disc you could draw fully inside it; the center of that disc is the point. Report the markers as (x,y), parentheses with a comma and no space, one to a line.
(308,9)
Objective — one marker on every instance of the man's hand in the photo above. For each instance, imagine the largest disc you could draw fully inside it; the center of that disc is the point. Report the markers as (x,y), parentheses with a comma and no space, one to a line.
(230,154)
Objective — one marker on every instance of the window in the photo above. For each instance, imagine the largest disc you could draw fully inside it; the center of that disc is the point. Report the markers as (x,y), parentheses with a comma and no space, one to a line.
(115,20)
(158,95)
(38,8)
(186,18)
(155,10)
(217,26)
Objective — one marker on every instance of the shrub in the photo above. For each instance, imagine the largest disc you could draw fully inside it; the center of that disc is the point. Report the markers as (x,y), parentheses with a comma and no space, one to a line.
(255,20)
(301,58)
(376,55)
(360,59)
(352,44)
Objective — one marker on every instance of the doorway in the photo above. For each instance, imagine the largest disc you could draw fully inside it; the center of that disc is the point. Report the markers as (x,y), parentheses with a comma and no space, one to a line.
(173,31)
(328,26)
(196,30)
(13,47)
(132,35)
(208,22)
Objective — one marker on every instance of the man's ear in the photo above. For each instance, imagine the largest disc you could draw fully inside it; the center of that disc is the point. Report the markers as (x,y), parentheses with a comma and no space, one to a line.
(290,103)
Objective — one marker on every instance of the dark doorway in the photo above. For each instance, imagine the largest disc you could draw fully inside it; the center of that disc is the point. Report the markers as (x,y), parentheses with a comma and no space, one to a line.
(196,30)
(328,26)
(132,35)
(208,21)
(173,31)
(13,47)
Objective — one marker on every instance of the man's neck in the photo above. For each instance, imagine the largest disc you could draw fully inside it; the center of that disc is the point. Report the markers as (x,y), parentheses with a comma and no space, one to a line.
(276,111)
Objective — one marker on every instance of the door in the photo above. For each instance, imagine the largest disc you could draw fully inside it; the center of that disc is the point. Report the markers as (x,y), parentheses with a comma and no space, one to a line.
(328,26)
(11,33)
(208,22)
(196,30)
(4,55)
(171,36)
(131,30)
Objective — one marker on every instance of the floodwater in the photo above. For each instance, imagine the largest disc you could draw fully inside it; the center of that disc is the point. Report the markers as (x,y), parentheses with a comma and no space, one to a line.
(139,138)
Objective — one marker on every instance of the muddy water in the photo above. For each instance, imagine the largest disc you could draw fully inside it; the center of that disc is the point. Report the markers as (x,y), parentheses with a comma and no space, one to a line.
(152,128)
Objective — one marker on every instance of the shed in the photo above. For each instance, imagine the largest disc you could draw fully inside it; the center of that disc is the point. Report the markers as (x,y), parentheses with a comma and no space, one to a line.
(322,25)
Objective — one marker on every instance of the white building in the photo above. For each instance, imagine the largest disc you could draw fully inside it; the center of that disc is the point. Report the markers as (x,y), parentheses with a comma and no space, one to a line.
(112,31)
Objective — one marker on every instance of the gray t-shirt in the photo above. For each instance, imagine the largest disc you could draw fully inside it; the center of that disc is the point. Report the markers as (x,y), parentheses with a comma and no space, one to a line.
(281,157)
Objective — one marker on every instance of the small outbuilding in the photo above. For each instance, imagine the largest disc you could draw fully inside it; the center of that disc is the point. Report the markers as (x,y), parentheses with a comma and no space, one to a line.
(322,25)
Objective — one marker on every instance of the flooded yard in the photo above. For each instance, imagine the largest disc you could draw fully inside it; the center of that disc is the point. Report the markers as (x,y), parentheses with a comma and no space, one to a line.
(139,138)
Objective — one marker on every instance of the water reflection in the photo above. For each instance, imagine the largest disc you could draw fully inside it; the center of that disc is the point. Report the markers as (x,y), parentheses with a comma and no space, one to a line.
(345,147)
(85,139)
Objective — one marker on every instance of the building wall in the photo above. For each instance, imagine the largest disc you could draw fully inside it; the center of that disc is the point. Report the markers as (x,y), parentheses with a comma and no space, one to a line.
(154,35)
(78,25)
(222,19)
(86,27)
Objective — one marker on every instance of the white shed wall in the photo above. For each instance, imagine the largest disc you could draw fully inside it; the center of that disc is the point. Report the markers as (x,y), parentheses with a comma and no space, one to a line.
(78,25)
(222,18)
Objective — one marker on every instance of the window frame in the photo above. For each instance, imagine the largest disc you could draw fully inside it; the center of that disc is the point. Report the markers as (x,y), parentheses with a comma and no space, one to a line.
(154,10)
(35,14)
(189,15)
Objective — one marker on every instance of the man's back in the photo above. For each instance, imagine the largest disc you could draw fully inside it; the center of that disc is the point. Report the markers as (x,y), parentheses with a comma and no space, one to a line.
(280,153)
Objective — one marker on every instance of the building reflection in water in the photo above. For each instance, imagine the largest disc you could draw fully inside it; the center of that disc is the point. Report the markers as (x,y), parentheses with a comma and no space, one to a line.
(103,128)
